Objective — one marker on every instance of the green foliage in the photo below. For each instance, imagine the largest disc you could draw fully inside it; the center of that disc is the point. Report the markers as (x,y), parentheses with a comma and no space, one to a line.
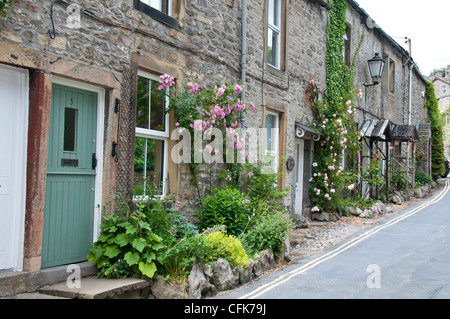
(334,118)
(373,172)
(437,142)
(204,111)
(4,6)
(258,185)
(219,244)
(336,123)
(338,78)
(177,260)
(423,178)
(126,241)
(269,231)
(399,178)
(226,206)
(158,219)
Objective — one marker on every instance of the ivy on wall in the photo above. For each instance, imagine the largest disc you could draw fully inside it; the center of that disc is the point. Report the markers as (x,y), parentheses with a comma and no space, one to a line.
(334,119)
(437,141)
(4,6)
(338,75)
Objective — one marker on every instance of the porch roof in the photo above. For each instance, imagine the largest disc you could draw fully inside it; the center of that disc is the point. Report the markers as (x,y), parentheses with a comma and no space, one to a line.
(306,132)
(377,130)
(405,133)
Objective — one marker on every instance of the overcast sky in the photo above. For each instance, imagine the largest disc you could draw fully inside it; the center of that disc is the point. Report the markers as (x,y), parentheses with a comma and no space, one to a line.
(426,23)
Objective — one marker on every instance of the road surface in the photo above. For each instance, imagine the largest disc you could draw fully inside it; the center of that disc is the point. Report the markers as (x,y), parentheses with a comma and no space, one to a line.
(405,256)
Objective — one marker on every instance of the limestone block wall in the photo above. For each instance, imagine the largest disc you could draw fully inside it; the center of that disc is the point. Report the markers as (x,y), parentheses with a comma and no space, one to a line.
(113,36)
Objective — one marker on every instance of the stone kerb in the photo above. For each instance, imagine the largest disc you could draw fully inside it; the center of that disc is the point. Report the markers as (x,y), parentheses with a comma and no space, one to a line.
(204,281)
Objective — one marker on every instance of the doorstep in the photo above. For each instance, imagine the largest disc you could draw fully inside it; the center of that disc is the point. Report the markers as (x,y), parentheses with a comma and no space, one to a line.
(99,288)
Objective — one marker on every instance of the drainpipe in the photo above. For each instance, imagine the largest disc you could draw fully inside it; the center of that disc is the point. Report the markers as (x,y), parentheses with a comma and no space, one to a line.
(243,70)
(243,60)
(410,93)
(410,78)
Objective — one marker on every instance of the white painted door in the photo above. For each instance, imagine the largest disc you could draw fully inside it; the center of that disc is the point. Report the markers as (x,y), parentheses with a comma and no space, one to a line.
(13,154)
(299,177)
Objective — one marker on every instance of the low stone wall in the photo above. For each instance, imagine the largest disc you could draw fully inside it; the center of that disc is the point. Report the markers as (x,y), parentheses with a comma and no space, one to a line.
(206,281)
(378,208)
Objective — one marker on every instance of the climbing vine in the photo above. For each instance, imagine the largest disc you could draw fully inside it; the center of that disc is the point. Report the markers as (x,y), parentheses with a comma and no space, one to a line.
(437,142)
(4,6)
(338,75)
(334,119)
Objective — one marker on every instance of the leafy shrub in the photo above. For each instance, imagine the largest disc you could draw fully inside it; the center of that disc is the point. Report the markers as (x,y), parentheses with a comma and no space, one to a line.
(423,178)
(126,245)
(181,227)
(177,261)
(158,218)
(399,178)
(263,186)
(220,245)
(226,206)
(269,232)
(210,245)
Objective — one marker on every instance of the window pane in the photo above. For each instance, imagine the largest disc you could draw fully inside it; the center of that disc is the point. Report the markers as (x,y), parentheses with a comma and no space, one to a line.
(148,166)
(274,13)
(70,129)
(161,5)
(272,47)
(143,103)
(157,115)
(271,126)
(150,105)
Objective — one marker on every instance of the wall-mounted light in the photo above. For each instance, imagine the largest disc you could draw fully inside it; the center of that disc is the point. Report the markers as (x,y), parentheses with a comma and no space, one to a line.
(376,68)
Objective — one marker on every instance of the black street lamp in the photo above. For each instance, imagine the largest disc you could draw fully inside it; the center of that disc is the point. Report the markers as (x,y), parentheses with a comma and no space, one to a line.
(376,68)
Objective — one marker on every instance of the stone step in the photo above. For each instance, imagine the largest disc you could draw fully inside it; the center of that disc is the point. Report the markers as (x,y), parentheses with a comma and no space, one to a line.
(99,288)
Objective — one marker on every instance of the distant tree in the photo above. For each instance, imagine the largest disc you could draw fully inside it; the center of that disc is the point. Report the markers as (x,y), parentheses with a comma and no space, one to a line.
(433,73)
(437,143)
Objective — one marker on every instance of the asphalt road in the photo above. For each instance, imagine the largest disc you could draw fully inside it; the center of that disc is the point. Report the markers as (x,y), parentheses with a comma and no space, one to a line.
(405,256)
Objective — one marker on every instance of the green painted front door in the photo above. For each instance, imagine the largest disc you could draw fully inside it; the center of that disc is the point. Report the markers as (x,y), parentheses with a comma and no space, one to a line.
(70,187)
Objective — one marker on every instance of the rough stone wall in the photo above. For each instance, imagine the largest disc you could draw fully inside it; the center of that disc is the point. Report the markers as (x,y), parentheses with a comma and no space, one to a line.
(208,48)
(380,101)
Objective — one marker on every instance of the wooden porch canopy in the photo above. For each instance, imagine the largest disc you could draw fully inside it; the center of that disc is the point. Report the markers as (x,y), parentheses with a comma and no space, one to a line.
(377,130)
(373,132)
(407,133)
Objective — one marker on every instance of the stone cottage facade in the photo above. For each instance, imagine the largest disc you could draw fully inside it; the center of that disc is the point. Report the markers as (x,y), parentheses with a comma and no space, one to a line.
(81,68)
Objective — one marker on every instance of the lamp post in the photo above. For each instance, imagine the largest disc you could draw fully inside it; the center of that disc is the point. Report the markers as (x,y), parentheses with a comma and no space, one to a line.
(376,68)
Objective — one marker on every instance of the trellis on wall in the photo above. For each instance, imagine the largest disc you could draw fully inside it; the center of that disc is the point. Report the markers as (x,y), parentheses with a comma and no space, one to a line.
(125,133)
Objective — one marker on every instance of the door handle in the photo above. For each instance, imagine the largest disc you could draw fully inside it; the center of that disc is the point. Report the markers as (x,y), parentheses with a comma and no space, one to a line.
(94,161)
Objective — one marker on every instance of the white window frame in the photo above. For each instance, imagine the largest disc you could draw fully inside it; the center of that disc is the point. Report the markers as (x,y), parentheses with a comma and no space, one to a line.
(155,135)
(157,4)
(276,29)
(273,153)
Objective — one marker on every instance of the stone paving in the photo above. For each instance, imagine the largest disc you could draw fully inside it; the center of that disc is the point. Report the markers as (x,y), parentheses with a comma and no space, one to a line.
(320,235)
